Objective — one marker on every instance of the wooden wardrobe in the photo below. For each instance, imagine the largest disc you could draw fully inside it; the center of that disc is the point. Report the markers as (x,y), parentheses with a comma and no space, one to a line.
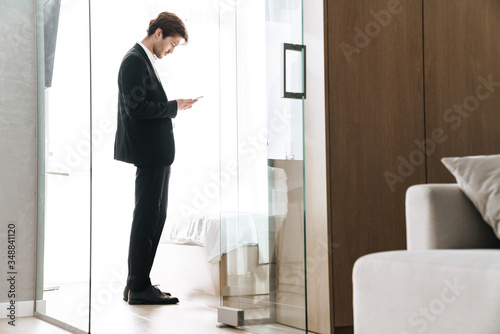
(408,82)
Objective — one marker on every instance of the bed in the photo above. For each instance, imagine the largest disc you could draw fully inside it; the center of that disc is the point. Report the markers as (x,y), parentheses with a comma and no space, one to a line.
(223,254)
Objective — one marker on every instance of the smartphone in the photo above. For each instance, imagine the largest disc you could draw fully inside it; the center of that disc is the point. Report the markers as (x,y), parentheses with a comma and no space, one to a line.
(199,97)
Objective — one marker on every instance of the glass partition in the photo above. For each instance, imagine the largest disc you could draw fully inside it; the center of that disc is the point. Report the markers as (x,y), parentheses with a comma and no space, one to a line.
(194,187)
(64,219)
(263,272)
(237,176)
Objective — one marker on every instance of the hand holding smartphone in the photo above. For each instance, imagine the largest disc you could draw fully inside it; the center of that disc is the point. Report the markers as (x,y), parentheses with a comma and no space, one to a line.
(184,104)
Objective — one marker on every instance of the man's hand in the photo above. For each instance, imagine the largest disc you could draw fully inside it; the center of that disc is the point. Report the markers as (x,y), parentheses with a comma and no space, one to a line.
(183,104)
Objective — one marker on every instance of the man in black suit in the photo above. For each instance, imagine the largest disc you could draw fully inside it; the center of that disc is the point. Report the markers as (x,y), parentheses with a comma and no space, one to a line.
(144,137)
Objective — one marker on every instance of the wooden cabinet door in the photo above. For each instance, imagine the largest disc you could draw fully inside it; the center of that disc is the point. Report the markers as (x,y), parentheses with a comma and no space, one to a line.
(462,80)
(375,114)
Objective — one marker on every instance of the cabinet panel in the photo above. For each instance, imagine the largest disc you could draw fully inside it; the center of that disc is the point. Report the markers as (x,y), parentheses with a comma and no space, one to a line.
(462,80)
(374,116)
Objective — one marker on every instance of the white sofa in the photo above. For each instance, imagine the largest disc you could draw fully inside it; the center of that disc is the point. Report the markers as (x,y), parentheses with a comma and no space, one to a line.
(448,281)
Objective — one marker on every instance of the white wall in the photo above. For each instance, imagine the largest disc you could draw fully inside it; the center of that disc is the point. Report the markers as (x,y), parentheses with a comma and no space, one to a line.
(18,119)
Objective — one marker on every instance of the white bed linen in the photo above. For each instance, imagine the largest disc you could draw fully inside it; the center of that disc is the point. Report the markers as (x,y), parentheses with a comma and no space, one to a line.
(218,234)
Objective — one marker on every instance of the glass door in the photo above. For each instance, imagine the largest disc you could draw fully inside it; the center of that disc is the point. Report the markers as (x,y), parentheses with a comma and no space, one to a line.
(263,271)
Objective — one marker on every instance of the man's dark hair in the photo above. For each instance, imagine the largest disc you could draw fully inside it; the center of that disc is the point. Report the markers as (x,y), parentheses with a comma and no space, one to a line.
(170,24)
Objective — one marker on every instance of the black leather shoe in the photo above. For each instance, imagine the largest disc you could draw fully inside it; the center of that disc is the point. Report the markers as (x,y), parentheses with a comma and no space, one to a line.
(150,296)
(125,293)
(126,290)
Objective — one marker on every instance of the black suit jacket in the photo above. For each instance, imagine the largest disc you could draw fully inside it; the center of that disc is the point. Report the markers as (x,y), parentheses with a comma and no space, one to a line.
(144,133)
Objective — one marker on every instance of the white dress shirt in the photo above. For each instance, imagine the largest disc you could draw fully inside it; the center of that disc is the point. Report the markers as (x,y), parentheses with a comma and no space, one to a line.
(152,58)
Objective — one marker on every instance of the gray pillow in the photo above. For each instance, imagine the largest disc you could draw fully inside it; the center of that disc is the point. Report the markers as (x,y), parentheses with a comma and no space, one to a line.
(479,179)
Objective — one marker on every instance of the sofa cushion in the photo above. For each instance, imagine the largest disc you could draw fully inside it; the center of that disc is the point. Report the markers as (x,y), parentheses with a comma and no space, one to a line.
(479,179)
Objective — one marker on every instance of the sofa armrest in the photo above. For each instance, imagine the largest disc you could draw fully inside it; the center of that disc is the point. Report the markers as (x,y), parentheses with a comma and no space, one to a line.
(440,216)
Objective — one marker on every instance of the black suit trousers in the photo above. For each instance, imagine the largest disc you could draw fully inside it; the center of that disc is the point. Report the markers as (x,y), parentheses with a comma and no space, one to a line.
(150,213)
